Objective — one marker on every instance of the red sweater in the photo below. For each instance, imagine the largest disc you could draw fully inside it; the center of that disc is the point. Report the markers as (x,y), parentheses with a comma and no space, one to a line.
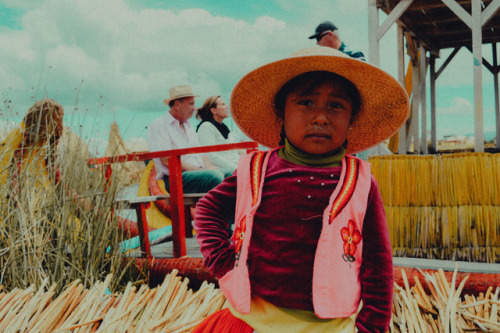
(286,229)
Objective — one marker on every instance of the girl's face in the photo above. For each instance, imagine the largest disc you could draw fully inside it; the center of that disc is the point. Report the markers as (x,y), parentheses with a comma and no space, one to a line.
(317,121)
(220,111)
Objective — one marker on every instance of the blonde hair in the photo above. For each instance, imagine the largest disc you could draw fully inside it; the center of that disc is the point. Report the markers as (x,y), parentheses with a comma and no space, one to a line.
(43,122)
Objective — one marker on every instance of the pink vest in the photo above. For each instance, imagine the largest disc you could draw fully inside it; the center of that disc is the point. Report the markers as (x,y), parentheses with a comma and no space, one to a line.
(336,286)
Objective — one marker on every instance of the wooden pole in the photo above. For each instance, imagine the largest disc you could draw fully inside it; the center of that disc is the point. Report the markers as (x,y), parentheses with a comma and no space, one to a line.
(423,99)
(433,103)
(373,42)
(497,101)
(478,75)
(177,204)
(401,79)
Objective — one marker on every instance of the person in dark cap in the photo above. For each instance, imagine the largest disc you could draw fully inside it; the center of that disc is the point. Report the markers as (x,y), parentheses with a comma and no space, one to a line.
(327,34)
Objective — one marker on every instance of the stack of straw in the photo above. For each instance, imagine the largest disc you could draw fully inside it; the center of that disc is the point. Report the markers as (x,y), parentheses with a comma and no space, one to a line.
(442,206)
(170,307)
(414,310)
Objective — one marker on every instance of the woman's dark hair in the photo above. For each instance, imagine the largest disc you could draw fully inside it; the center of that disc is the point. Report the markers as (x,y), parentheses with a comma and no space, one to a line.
(306,82)
(205,112)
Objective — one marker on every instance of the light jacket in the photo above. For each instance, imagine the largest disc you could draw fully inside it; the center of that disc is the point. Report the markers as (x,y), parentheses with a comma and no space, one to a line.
(336,286)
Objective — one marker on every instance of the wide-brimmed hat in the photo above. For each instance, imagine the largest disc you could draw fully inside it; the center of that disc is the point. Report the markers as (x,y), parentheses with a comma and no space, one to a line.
(180,92)
(322,27)
(384,106)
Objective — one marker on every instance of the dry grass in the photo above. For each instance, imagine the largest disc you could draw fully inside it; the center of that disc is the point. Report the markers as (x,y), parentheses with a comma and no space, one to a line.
(58,232)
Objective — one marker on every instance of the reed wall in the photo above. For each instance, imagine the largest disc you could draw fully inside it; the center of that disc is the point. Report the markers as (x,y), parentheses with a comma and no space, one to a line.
(442,206)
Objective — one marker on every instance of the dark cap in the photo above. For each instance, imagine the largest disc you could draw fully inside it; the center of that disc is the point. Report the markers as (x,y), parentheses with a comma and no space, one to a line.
(322,27)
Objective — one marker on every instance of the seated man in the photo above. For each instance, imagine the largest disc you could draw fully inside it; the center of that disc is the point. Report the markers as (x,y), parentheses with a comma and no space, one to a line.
(174,131)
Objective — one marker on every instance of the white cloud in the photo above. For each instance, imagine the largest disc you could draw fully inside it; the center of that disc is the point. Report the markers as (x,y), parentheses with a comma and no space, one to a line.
(460,106)
(268,24)
(131,57)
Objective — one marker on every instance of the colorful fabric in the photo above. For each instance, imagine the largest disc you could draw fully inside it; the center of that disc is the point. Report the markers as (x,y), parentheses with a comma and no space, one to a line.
(222,322)
(29,162)
(264,317)
(281,255)
(335,284)
(353,54)
(348,188)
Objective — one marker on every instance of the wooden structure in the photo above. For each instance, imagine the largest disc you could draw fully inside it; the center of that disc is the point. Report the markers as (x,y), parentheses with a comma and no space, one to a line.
(177,198)
(428,27)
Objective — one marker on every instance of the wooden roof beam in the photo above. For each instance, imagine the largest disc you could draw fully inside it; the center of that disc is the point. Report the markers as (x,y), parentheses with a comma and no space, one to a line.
(459,11)
(488,13)
(393,17)
(417,6)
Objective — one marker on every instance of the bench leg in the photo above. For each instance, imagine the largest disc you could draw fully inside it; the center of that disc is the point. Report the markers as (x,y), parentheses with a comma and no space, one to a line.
(143,230)
(187,218)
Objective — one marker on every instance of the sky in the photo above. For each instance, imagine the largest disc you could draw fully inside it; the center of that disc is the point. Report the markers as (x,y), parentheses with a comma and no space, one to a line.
(115,60)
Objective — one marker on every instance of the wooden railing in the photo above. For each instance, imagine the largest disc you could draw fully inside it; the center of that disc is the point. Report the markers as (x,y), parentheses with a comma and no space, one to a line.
(176,189)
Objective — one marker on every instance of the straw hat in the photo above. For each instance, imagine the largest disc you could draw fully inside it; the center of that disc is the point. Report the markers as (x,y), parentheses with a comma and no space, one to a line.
(180,92)
(384,107)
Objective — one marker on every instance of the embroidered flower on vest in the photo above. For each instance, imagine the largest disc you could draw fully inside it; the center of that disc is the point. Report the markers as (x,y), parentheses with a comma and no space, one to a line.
(238,236)
(351,237)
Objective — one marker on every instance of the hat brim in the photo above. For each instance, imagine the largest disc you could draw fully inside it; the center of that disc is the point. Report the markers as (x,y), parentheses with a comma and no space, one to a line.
(384,102)
(315,35)
(168,100)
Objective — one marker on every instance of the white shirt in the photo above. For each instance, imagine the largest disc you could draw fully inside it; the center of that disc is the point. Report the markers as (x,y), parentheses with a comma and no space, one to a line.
(165,133)
(210,135)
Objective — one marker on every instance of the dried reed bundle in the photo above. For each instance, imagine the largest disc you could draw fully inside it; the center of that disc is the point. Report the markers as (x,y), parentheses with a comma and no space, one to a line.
(445,207)
(170,307)
(438,180)
(444,310)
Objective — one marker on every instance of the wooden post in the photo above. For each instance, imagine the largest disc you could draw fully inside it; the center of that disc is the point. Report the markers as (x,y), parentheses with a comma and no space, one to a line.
(415,103)
(143,230)
(478,75)
(401,78)
(373,42)
(497,103)
(432,67)
(177,206)
(423,98)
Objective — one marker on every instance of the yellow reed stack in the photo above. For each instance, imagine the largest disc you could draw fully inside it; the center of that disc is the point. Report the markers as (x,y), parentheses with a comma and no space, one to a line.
(442,206)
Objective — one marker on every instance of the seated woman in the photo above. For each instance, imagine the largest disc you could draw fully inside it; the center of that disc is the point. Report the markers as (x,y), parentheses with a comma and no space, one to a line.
(31,149)
(212,131)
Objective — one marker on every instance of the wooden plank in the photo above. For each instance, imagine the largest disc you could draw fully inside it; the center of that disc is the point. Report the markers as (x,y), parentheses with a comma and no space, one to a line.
(497,99)
(142,224)
(447,61)
(401,79)
(177,206)
(488,13)
(423,99)
(173,152)
(188,199)
(478,76)
(459,11)
(433,104)
(393,17)
(373,42)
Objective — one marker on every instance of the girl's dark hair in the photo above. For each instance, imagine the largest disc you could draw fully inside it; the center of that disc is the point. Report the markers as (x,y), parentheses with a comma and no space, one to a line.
(306,82)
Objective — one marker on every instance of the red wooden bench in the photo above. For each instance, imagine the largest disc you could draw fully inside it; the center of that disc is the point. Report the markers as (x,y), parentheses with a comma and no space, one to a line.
(176,196)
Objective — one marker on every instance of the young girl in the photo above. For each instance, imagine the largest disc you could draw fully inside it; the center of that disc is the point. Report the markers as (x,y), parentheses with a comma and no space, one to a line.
(311,242)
